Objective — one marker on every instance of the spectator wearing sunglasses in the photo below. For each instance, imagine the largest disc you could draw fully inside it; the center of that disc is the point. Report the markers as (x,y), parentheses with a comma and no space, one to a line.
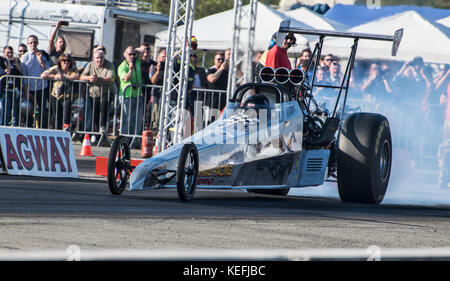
(106,63)
(277,56)
(62,92)
(217,77)
(129,72)
(9,88)
(21,50)
(325,63)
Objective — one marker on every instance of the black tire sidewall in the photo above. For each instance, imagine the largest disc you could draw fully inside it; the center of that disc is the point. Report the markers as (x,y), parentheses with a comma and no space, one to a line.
(379,186)
(360,144)
(181,173)
(118,142)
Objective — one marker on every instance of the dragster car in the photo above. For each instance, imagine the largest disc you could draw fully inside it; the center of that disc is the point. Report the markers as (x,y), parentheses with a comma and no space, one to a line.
(272,137)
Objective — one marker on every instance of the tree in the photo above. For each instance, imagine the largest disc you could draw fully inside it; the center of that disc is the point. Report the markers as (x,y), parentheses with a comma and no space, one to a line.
(162,6)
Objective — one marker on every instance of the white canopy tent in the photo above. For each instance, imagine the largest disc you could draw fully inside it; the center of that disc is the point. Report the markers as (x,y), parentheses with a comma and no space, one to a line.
(215,32)
(445,21)
(315,20)
(420,38)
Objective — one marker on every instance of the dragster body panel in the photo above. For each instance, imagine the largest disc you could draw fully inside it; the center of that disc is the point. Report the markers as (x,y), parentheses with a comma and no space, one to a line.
(238,137)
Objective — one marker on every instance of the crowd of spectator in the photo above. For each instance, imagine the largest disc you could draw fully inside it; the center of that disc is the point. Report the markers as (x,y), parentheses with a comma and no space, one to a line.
(48,101)
(415,90)
(415,97)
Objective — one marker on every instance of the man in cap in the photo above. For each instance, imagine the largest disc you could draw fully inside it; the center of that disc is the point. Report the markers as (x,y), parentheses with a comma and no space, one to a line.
(277,55)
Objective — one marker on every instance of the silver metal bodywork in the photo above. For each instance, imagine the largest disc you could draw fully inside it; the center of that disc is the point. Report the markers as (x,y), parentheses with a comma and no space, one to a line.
(245,150)
(264,150)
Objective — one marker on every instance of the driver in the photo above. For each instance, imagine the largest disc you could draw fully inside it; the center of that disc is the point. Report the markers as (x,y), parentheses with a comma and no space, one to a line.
(256,102)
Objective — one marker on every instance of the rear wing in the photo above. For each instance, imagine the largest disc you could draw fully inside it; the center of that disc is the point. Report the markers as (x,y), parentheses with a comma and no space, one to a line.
(285,27)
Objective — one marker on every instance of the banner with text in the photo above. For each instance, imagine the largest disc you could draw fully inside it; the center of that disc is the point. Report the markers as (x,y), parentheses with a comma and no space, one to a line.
(42,153)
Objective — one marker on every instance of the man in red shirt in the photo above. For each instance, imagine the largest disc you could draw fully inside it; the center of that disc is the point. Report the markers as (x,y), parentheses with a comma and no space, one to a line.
(277,56)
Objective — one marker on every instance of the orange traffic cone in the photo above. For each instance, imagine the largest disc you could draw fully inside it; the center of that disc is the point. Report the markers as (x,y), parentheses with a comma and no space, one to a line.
(155,147)
(86,147)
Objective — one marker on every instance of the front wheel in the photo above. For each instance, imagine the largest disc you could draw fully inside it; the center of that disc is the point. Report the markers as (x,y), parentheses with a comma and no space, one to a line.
(187,171)
(118,165)
(364,158)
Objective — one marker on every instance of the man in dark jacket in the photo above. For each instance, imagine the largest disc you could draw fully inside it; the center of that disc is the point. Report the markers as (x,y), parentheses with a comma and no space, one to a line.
(200,82)
(154,106)
(9,88)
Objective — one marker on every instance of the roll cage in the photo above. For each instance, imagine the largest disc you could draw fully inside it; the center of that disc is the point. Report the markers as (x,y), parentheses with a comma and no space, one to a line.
(344,85)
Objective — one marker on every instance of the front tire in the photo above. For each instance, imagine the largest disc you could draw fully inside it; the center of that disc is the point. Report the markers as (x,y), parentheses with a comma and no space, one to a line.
(187,171)
(118,165)
(364,158)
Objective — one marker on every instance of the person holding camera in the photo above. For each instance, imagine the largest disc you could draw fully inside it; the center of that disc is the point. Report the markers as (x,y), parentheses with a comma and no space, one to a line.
(56,48)
(217,75)
(130,75)
(217,79)
(376,85)
(153,107)
(410,80)
(9,88)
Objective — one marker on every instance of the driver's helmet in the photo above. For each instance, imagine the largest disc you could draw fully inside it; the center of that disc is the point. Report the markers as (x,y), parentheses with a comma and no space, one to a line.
(256,102)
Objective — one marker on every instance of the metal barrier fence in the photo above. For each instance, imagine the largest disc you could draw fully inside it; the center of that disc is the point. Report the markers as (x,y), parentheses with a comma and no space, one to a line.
(95,109)
(99,110)
(141,109)
(71,105)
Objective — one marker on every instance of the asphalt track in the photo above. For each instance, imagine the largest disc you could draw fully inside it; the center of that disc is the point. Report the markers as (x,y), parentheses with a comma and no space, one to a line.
(42,214)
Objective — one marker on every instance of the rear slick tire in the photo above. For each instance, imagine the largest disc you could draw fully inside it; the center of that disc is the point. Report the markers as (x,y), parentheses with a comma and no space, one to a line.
(364,158)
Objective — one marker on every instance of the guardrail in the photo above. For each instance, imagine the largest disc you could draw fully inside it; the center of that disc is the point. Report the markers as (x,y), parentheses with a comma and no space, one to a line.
(85,108)
(203,106)
(75,106)
(102,112)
